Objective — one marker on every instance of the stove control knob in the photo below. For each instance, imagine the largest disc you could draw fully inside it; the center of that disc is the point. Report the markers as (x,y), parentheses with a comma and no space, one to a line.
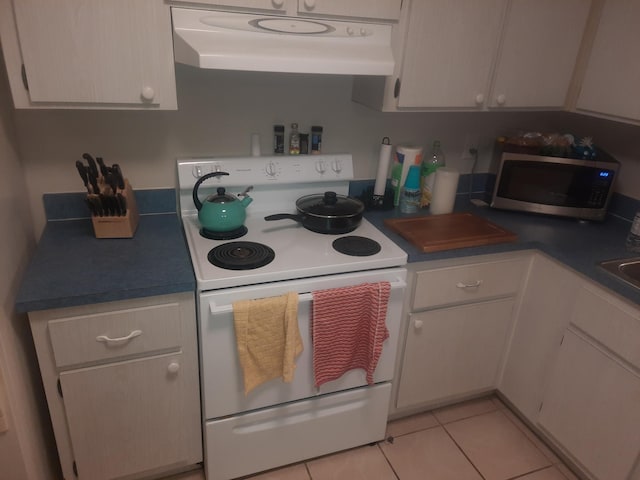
(336,166)
(173,367)
(321,167)
(271,169)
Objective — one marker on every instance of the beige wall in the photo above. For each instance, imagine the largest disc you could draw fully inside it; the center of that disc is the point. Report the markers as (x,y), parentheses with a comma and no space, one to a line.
(27,451)
(219,111)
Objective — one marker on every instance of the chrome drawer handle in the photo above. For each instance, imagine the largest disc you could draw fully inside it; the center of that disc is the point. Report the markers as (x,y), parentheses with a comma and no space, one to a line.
(108,340)
(476,284)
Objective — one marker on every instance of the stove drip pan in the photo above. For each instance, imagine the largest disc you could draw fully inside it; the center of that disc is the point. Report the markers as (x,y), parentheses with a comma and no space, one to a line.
(241,255)
(356,246)
(230,235)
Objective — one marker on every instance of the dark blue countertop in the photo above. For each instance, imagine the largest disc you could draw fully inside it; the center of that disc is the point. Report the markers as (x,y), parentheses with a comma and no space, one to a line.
(71,267)
(578,245)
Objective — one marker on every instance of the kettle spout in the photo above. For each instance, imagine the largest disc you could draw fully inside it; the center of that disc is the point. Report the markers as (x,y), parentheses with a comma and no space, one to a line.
(246,201)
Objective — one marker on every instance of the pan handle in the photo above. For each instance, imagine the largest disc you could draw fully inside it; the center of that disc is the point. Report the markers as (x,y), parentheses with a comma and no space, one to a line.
(282,216)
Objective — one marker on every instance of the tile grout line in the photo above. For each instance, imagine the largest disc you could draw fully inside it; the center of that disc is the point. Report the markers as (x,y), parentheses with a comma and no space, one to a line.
(387,460)
(463,452)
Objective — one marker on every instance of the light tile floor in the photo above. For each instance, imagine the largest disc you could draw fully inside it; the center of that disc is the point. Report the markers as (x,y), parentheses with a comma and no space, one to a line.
(476,440)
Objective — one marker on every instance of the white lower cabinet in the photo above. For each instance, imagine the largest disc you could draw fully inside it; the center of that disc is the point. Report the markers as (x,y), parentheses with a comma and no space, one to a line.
(122,386)
(592,409)
(459,317)
(132,406)
(453,352)
(545,309)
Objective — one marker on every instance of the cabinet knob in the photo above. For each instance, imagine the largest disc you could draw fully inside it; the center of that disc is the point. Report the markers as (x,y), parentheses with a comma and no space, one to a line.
(277,3)
(501,99)
(173,367)
(309,4)
(148,93)
(479,99)
(417,324)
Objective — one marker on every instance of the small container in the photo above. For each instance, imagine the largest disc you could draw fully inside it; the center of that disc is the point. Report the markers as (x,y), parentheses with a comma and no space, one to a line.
(316,139)
(304,143)
(410,197)
(294,140)
(633,238)
(278,139)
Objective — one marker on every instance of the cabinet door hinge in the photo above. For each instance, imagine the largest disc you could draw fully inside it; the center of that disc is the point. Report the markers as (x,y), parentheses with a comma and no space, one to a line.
(23,71)
(396,89)
(60,389)
(75,468)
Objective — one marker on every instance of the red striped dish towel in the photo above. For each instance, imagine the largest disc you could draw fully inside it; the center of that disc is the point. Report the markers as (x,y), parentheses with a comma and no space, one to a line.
(348,329)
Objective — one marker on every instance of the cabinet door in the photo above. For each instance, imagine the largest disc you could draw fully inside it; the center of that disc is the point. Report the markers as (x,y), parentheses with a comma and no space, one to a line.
(127,417)
(452,352)
(543,315)
(241,4)
(449,53)
(592,408)
(538,53)
(117,53)
(612,75)
(379,9)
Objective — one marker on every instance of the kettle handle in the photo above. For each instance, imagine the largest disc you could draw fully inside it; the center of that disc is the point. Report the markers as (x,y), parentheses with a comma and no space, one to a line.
(196,200)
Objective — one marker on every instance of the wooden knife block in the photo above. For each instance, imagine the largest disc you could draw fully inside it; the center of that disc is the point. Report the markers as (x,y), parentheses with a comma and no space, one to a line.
(115,226)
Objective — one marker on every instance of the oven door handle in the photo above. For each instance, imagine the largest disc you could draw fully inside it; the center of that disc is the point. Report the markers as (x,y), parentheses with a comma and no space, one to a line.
(216,309)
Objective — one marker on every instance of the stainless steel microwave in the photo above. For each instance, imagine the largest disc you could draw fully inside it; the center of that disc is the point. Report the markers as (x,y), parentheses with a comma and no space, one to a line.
(566,187)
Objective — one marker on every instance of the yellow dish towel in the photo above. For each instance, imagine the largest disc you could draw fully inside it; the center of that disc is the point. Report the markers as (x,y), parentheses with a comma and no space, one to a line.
(267,338)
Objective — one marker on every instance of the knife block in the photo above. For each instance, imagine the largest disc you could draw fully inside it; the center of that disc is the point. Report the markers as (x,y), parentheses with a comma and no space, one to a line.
(118,226)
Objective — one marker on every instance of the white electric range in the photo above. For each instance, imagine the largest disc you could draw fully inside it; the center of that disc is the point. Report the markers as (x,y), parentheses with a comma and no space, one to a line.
(244,434)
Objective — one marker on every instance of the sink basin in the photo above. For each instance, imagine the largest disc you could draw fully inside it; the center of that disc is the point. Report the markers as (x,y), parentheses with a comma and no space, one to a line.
(626,269)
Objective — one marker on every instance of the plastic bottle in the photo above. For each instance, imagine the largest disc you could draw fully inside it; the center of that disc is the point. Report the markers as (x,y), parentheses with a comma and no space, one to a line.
(410,197)
(427,174)
(294,140)
(633,239)
(278,139)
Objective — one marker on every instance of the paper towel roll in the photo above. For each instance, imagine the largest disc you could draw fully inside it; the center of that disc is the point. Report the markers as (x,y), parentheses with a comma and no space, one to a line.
(408,155)
(383,167)
(444,190)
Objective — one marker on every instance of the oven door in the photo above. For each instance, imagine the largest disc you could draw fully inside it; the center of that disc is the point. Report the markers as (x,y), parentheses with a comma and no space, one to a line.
(222,381)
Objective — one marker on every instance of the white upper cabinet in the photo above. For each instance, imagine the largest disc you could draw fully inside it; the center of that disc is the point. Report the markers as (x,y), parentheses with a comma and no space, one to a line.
(470,55)
(449,51)
(540,44)
(612,75)
(375,9)
(280,5)
(90,53)
(384,10)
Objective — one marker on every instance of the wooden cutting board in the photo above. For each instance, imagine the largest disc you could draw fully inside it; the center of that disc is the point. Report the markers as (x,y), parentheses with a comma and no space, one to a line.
(434,233)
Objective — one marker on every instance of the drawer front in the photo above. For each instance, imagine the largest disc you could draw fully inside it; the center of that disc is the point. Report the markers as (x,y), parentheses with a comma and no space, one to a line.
(608,321)
(91,338)
(295,431)
(468,283)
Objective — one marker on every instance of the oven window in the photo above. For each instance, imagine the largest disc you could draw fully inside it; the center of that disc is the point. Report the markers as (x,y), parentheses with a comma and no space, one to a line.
(555,184)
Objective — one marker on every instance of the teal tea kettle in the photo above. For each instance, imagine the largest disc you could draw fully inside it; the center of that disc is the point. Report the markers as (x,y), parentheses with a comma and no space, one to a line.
(221,212)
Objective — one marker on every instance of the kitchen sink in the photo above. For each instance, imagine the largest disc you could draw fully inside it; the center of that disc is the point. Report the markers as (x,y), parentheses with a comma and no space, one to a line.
(626,269)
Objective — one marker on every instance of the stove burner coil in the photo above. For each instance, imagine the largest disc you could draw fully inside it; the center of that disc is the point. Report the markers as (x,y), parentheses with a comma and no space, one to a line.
(230,235)
(356,246)
(241,255)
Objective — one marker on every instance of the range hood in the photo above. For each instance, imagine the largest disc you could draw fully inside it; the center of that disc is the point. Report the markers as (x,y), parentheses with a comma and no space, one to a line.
(266,43)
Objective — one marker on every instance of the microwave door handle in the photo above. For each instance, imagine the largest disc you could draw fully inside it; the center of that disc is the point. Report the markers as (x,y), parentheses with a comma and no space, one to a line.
(216,309)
